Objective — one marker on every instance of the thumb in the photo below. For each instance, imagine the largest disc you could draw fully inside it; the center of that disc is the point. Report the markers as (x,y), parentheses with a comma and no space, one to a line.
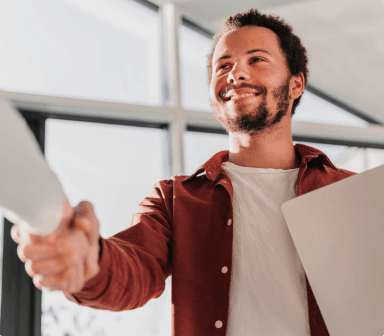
(86,221)
(81,224)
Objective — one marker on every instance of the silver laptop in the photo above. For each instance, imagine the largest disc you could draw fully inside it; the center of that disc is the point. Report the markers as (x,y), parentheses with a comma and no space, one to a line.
(338,231)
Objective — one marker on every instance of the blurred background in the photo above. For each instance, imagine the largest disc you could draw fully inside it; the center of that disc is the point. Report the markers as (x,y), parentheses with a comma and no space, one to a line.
(116,92)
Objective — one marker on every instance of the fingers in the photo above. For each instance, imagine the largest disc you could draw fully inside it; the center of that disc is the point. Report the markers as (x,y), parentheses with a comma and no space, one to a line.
(68,257)
(48,268)
(45,250)
(39,248)
(37,282)
(82,249)
(59,281)
(20,253)
(15,234)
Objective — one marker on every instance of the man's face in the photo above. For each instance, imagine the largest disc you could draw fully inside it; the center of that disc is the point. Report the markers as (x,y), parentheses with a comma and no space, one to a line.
(250,80)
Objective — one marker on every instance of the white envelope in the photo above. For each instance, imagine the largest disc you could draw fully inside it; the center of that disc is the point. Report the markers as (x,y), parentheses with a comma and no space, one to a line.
(30,193)
(338,231)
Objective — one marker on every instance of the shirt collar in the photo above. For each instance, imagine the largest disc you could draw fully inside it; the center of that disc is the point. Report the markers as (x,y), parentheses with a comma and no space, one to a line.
(212,168)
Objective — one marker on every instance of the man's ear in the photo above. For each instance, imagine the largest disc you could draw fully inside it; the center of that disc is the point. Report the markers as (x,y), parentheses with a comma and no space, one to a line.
(297,84)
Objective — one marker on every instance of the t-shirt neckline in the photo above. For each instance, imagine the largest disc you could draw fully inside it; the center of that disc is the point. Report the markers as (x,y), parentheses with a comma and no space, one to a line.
(231,166)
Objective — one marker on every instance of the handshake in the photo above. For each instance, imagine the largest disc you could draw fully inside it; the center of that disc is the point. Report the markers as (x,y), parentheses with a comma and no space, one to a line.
(66,258)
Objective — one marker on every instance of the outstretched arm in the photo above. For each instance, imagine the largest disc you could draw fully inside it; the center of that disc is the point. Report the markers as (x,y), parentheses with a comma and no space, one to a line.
(133,266)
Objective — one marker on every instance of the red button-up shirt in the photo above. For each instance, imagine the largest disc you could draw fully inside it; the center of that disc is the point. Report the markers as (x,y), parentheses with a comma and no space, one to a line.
(185,228)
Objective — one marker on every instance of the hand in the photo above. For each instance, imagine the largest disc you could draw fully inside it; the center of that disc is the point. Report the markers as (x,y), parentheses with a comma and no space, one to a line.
(68,257)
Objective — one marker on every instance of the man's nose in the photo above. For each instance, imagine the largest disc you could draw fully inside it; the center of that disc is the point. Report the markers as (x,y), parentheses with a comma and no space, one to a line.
(238,74)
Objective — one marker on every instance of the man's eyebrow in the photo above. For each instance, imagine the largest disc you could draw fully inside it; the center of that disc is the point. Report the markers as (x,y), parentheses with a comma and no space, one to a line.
(248,52)
(256,50)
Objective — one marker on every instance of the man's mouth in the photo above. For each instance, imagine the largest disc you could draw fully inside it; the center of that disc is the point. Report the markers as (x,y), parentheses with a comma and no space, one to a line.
(235,97)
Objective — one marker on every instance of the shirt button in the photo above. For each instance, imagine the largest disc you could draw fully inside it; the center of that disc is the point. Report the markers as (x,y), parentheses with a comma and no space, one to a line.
(229,222)
(224,269)
(218,324)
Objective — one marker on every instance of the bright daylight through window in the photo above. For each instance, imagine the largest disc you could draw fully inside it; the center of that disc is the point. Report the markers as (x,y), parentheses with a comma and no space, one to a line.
(114,167)
(194,49)
(113,51)
(89,49)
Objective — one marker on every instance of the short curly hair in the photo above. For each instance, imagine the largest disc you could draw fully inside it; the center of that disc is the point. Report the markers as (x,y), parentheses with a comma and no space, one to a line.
(290,44)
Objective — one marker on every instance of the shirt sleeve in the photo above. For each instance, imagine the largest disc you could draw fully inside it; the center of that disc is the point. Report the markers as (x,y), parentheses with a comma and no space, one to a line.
(30,193)
(134,263)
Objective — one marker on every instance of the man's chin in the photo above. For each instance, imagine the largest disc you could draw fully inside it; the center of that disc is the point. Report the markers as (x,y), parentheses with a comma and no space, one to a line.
(243,126)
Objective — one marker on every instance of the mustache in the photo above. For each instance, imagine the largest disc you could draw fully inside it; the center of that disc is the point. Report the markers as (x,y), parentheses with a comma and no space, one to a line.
(223,93)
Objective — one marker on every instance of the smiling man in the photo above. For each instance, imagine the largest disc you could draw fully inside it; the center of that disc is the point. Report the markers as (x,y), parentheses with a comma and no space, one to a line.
(242,77)
(254,88)
(220,232)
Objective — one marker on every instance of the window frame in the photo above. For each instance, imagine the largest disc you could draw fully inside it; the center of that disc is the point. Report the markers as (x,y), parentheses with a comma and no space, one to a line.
(22,299)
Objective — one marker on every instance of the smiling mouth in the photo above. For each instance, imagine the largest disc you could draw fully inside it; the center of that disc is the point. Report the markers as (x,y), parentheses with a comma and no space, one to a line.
(242,96)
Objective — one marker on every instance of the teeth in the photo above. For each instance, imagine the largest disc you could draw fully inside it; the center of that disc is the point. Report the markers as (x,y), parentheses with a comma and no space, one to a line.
(242,96)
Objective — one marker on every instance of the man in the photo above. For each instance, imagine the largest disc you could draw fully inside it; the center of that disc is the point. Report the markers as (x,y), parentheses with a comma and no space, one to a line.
(220,232)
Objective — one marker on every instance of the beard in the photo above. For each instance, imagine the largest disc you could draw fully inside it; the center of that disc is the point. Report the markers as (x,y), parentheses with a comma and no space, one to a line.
(260,117)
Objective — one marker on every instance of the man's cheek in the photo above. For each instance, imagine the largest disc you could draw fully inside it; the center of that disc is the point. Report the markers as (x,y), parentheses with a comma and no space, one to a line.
(211,93)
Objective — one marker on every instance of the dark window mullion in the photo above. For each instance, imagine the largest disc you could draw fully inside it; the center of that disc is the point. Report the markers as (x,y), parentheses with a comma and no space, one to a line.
(20,301)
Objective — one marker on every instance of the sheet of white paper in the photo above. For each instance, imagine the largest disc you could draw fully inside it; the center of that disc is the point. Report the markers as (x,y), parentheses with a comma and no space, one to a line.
(30,193)
(338,231)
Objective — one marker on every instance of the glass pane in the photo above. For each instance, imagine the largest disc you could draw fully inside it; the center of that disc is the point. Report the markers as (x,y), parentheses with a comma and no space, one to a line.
(355,159)
(113,167)
(199,147)
(194,49)
(92,49)
(314,109)
(375,157)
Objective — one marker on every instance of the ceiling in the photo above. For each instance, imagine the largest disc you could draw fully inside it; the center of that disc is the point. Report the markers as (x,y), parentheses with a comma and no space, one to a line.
(344,40)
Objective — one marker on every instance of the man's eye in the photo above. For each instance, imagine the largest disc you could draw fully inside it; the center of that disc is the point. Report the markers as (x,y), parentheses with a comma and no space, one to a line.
(255,59)
(223,66)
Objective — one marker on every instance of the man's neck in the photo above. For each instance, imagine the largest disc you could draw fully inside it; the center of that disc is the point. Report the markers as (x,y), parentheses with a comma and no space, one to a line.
(272,150)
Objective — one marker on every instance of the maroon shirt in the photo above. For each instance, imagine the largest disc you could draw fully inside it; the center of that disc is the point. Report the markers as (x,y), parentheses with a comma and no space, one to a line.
(185,228)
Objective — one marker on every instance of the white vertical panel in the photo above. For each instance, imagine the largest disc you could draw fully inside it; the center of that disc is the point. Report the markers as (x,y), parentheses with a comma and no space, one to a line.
(172,20)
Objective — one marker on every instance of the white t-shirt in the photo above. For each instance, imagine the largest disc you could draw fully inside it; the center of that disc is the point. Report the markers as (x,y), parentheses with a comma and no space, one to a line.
(30,193)
(268,295)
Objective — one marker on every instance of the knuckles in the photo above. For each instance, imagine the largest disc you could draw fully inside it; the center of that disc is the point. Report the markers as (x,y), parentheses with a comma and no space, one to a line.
(32,267)
(54,261)
(20,253)
(15,233)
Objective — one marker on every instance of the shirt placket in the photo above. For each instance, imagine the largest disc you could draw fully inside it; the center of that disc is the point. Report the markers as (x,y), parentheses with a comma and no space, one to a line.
(224,266)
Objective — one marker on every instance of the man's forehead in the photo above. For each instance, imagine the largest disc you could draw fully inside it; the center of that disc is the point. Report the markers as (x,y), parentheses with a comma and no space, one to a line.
(247,38)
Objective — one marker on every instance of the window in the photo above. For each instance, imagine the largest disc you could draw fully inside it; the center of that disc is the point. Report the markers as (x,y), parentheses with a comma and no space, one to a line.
(314,109)
(200,146)
(114,167)
(194,49)
(111,50)
(89,49)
